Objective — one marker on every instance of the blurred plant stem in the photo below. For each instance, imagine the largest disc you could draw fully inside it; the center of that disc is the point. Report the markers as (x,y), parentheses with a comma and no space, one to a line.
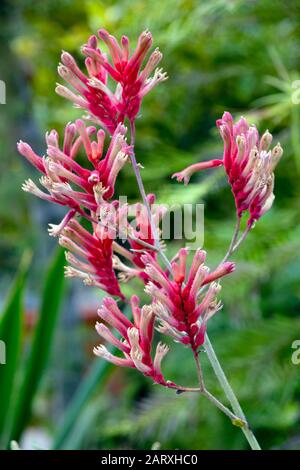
(239,420)
(295,124)
(233,240)
(139,180)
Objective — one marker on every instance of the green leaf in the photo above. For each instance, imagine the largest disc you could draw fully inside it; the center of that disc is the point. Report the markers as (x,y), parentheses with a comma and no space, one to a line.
(10,335)
(96,375)
(42,342)
(87,419)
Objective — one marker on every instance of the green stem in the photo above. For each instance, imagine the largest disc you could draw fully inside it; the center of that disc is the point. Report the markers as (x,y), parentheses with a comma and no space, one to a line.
(233,240)
(236,420)
(229,393)
(210,351)
(139,180)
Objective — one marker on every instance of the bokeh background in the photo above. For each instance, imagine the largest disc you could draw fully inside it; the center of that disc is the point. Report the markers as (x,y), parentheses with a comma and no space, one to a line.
(240,56)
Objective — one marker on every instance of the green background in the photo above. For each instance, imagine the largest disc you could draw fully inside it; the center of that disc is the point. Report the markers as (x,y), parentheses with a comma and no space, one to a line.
(239,56)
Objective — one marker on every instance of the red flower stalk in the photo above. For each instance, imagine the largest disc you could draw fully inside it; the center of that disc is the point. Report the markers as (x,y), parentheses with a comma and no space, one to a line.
(249,165)
(136,338)
(108,107)
(182,308)
(67,182)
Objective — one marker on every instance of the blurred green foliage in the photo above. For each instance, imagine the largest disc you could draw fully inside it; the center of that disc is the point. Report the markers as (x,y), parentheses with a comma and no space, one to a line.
(20,376)
(240,56)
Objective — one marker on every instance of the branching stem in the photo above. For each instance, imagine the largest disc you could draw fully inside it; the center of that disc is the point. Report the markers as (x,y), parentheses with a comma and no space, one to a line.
(139,180)
(233,240)
(242,238)
(239,418)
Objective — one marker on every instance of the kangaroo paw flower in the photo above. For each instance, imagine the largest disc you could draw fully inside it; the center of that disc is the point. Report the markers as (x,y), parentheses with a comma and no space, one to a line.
(185,175)
(91,91)
(182,312)
(136,338)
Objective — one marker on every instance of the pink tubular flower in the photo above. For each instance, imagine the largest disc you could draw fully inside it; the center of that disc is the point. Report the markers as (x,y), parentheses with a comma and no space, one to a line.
(139,232)
(66,181)
(90,257)
(249,165)
(185,175)
(85,192)
(143,231)
(136,338)
(92,92)
(182,310)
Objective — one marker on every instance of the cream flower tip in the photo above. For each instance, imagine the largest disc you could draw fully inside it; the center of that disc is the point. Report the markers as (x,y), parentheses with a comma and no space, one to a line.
(100,327)
(147,311)
(71,272)
(101,351)
(54,231)
(162,348)
(29,186)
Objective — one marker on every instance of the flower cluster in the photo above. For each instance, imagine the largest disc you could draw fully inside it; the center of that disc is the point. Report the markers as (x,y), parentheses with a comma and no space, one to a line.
(185,303)
(182,306)
(136,338)
(85,192)
(68,183)
(81,176)
(249,164)
(88,190)
(90,256)
(91,91)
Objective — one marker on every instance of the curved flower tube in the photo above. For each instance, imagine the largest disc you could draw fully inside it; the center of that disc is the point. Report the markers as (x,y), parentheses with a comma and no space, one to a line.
(249,164)
(91,90)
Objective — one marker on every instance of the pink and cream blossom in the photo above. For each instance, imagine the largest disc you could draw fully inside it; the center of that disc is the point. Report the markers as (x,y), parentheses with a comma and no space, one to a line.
(91,90)
(185,302)
(90,256)
(136,338)
(64,180)
(249,163)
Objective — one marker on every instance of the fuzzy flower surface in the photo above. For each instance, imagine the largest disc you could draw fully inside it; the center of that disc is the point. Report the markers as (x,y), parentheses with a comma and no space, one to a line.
(91,90)
(185,302)
(135,342)
(64,180)
(90,257)
(249,163)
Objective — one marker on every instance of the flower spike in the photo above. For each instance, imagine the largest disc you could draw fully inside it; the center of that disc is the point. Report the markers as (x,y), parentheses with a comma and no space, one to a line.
(136,342)
(182,312)
(91,91)
(249,164)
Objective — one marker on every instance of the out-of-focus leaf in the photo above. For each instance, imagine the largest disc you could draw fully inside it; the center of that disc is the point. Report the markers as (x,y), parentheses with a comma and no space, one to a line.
(42,342)
(87,419)
(10,335)
(95,376)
